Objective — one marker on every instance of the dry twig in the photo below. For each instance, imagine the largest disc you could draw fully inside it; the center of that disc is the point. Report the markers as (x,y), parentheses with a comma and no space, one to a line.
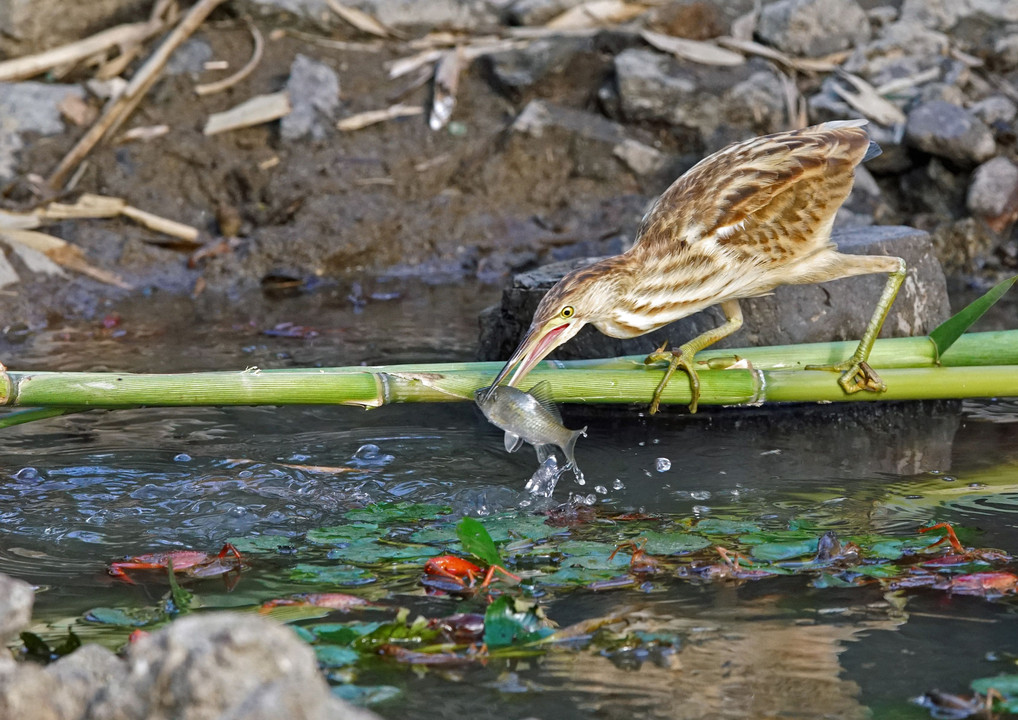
(372,117)
(228,82)
(254,111)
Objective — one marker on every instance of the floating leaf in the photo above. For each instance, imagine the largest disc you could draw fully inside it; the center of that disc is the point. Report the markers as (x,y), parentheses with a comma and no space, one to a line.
(944,335)
(775,551)
(136,617)
(179,600)
(417,631)
(1006,685)
(673,543)
(387,512)
(365,694)
(477,541)
(336,534)
(721,526)
(332,656)
(504,527)
(265,543)
(508,622)
(342,633)
(371,551)
(332,574)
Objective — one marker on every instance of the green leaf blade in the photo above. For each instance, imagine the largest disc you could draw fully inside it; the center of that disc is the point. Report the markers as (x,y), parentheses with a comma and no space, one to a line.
(476,541)
(945,334)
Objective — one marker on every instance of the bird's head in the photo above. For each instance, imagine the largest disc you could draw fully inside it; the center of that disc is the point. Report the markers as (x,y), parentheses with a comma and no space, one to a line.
(583,296)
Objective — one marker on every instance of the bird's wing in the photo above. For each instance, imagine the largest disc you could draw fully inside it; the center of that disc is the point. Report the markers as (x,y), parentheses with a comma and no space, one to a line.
(773,197)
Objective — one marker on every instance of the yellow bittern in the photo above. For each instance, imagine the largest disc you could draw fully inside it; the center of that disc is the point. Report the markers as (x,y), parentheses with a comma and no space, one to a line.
(744,220)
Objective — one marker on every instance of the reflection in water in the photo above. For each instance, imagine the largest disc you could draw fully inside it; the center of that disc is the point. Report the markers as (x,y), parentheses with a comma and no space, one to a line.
(81,490)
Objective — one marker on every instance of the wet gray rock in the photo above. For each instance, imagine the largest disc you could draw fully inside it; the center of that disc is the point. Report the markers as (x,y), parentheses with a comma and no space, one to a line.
(995,109)
(29,107)
(537,12)
(33,25)
(963,246)
(514,71)
(813,27)
(313,88)
(431,15)
(1005,51)
(189,58)
(950,132)
(657,87)
(16,599)
(948,14)
(837,310)
(221,665)
(900,50)
(596,144)
(993,193)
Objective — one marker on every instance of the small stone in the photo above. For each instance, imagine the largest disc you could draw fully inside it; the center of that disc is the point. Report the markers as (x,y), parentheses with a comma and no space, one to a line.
(641,159)
(313,88)
(947,14)
(514,71)
(1005,52)
(189,58)
(995,109)
(16,599)
(538,12)
(813,27)
(415,15)
(963,245)
(29,107)
(951,132)
(993,193)
(901,50)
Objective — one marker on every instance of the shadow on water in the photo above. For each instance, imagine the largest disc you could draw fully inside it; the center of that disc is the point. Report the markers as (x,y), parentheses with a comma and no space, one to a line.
(81,490)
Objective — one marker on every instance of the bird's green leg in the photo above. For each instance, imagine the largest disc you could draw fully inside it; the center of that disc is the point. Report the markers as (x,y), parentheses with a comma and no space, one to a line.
(856,374)
(683,355)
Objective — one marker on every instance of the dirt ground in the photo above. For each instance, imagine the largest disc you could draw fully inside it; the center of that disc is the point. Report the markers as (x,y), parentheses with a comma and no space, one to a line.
(470,200)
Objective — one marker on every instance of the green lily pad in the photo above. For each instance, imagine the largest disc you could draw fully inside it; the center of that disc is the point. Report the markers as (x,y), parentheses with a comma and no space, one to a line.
(389,512)
(365,694)
(592,555)
(443,534)
(1006,685)
(371,551)
(721,526)
(504,527)
(331,574)
(775,551)
(338,534)
(510,622)
(399,630)
(674,543)
(332,656)
(342,633)
(137,617)
(576,576)
(264,544)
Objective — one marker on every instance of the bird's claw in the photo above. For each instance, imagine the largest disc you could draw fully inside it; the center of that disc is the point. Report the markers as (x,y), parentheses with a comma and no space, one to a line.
(856,376)
(675,358)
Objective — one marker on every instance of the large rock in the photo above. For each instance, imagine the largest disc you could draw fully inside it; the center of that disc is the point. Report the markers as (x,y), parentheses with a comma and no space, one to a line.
(32,25)
(993,193)
(29,107)
(951,132)
(221,665)
(813,27)
(837,310)
(16,598)
(515,70)
(657,87)
(947,14)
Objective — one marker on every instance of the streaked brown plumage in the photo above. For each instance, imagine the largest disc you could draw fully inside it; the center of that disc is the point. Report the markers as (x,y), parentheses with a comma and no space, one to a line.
(753,216)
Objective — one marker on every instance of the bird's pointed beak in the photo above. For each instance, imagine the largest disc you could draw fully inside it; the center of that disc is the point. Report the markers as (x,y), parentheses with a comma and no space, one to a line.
(539,341)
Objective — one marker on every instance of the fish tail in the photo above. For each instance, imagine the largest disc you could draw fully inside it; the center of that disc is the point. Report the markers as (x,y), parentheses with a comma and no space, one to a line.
(570,446)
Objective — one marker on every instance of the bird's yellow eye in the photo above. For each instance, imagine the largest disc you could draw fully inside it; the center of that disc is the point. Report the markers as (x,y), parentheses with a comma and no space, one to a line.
(567,311)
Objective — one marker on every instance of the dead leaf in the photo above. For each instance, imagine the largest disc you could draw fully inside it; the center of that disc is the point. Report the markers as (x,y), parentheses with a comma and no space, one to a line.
(866,100)
(255,111)
(359,19)
(596,13)
(372,117)
(706,53)
(810,65)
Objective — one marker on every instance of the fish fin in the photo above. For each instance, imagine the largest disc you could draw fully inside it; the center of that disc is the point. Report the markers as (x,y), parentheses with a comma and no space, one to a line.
(542,393)
(512,442)
(544,452)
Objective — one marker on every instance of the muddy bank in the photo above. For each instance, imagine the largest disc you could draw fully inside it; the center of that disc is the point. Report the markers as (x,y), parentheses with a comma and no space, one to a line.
(554,148)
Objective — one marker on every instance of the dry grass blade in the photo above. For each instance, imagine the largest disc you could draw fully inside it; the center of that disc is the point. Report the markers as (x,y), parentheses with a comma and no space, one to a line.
(119,36)
(693,50)
(910,82)
(252,63)
(795,103)
(148,132)
(866,100)
(373,117)
(255,111)
(160,224)
(447,74)
(117,112)
(62,253)
(359,19)
(373,46)
(403,66)
(596,13)
(800,64)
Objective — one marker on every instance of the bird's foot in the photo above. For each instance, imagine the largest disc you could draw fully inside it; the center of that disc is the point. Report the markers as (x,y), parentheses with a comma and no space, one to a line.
(676,358)
(856,375)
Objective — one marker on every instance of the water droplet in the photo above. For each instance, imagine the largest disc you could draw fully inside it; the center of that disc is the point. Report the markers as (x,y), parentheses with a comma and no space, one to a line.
(701,510)
(370,455)
(237,511)
(182,457)
(27,473)
(700,494)
(618,484)
(663,464)
(600,489)
(591,499)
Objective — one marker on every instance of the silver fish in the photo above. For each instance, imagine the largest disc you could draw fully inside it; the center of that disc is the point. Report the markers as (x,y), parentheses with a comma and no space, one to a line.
(530,417)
